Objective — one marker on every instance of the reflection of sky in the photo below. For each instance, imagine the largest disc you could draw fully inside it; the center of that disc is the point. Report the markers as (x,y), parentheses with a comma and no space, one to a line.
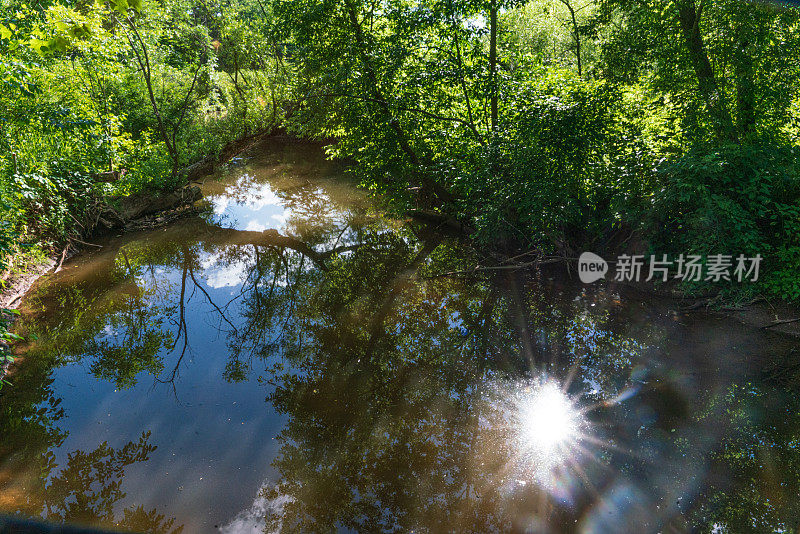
(219,273)
(252,520)
(253,206)
(214,438)
(250,206)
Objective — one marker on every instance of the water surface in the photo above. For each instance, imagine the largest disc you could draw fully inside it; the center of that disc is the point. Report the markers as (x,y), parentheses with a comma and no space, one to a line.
(293,360)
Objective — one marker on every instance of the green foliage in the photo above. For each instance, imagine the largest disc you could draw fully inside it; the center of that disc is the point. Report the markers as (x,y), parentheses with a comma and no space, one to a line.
(668,119)
(6,338)
(734,200)
(750,46)
(545,174)
(110,98)
(77,121)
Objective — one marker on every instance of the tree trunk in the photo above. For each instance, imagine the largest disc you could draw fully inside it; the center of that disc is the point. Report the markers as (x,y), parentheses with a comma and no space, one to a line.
(431,185)
(745,96)
(689,16)
(143,60)
(576,35)
(493,61)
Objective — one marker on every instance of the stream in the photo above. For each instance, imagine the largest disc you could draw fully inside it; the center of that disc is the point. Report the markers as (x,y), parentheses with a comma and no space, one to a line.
(292,359)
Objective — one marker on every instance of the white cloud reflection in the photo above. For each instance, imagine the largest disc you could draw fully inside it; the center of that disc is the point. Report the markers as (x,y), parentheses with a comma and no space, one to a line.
(219,273)
(253,519)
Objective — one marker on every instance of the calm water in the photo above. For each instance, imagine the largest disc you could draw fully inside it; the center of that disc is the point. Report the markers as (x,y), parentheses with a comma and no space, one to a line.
(291,360)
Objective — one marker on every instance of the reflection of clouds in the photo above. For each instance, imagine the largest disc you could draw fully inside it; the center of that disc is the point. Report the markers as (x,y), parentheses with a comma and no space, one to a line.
(258,225)
(255,226)
(220,203)
(221,274)
(261,196)
(259,207)
(253,520)
(254,202)
(109,331)
(246,192)
(228,276)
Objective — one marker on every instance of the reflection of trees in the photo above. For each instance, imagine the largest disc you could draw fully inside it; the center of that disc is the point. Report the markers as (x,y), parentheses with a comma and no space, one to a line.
(128,319)
(84,491)
(125,317)
(378,403)
(139,520)
(112,323)
(755,472)
(88,486)
(391,426)
(135,349)
(387,393)
(385,371)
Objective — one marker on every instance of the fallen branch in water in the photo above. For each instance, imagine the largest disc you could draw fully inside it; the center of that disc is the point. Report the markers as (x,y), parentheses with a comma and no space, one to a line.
(514,267)
(780,322)
(63,257)
(76,240)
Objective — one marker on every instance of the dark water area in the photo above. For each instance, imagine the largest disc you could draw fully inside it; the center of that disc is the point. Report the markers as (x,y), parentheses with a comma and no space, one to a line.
(293,360)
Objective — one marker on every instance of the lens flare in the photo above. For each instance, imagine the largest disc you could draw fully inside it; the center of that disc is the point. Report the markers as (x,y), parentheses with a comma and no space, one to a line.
(548,428)
(548,419)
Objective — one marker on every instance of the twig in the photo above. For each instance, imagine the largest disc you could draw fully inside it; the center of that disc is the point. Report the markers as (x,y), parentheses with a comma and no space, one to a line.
(780,322)
(63,257)
(696,305)
(509,260)
(478,268)
(76,220)
(75,239)
(208,297)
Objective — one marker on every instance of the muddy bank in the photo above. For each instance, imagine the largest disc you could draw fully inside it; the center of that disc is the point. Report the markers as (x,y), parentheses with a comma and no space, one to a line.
(134,212)
(18,284)
(775,317)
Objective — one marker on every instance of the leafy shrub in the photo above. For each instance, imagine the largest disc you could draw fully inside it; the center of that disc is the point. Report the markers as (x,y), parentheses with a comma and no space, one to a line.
(547,173)
(6,338)
(734,200)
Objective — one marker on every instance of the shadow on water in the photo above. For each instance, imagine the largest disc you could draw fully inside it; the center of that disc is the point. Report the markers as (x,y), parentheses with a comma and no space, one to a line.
(293,360)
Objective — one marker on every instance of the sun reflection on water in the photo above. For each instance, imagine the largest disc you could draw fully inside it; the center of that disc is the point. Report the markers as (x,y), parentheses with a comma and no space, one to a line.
(548,420)
(548,428)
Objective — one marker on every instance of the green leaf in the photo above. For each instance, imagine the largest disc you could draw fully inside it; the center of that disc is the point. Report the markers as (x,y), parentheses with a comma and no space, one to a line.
(120,5)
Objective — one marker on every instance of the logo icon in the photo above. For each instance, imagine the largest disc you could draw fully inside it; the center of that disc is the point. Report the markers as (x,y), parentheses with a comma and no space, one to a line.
(591,267)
